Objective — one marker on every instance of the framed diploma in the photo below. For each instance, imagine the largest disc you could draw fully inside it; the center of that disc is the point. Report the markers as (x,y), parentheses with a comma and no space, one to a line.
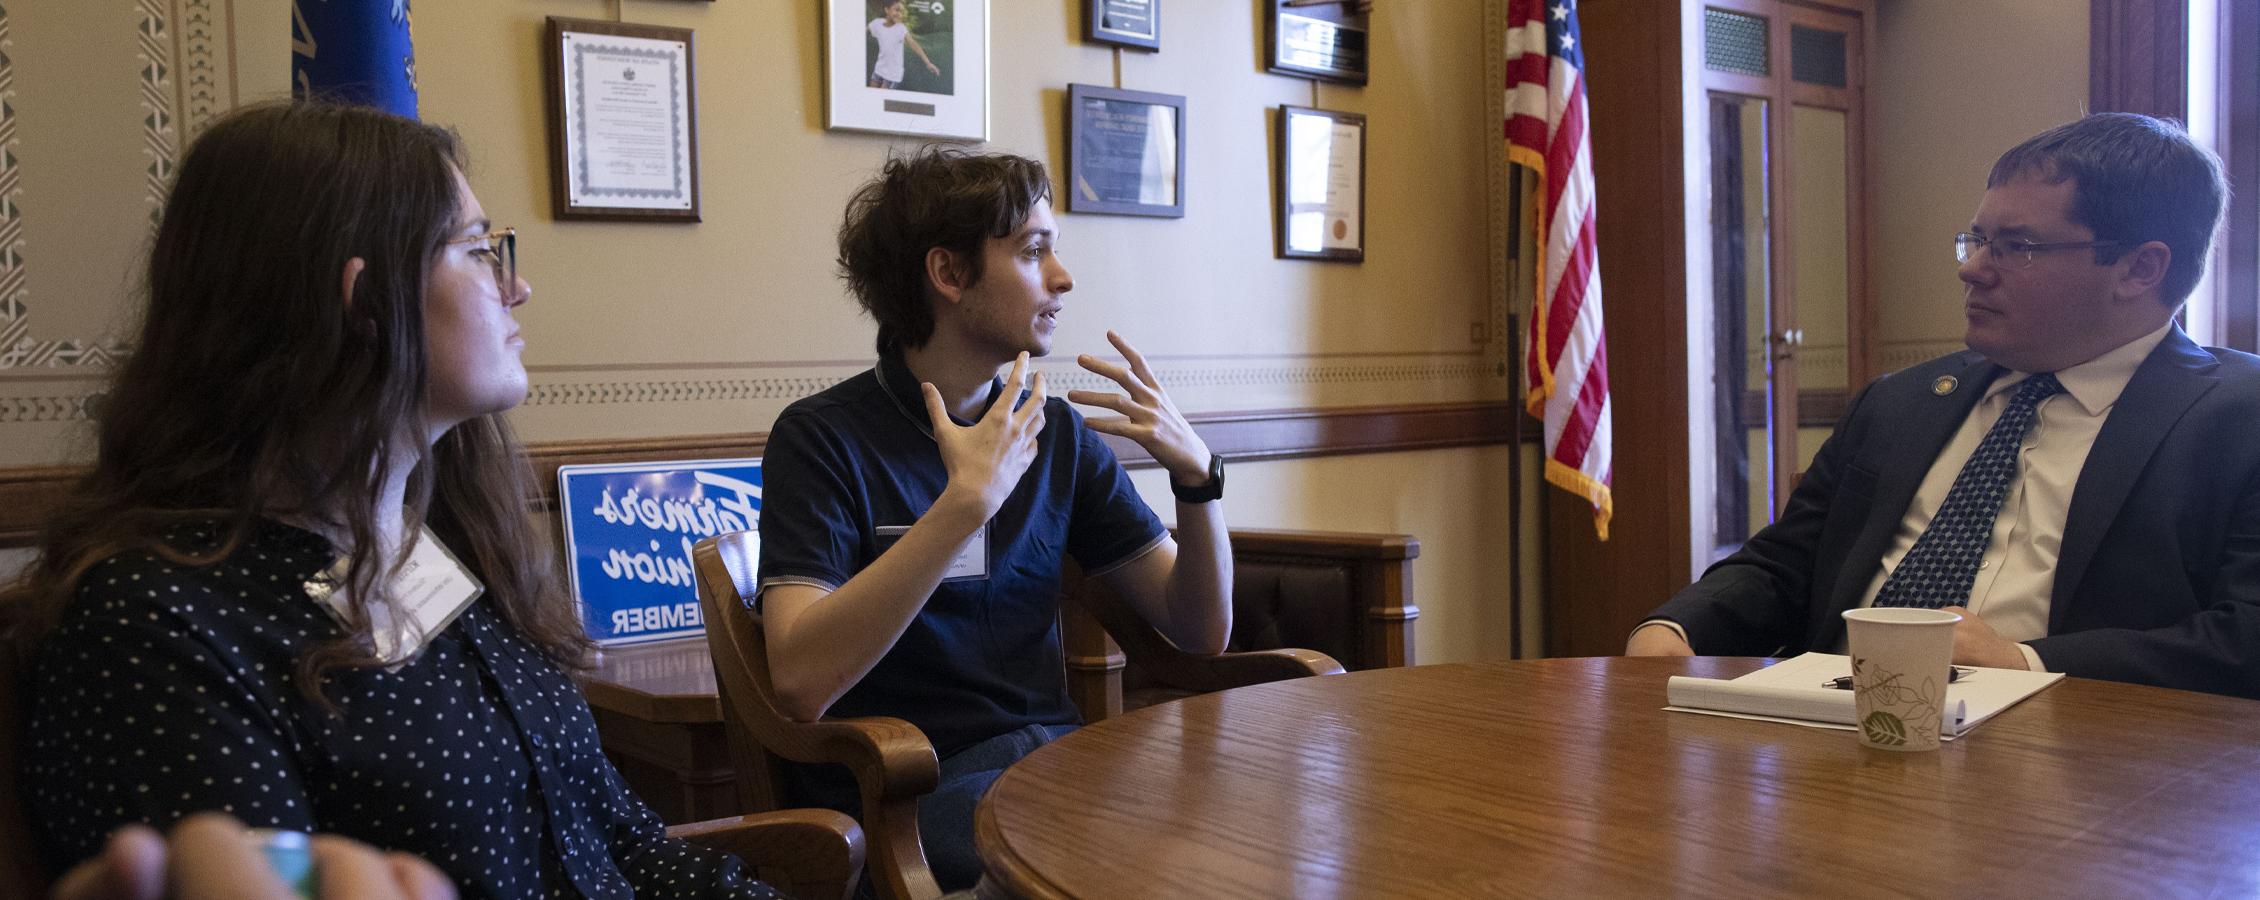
(1125,152)
(1323,39)
(918,67)
(1321,184)
(623,122)
(1123,23)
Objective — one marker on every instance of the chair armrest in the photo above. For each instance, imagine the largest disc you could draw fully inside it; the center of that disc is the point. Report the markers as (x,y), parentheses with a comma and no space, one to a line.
(1190,671)
(894,765)
(1203,674)
(895,754)
(807,853)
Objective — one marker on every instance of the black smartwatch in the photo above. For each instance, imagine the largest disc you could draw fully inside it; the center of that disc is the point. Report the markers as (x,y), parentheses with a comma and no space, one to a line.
(1202,493)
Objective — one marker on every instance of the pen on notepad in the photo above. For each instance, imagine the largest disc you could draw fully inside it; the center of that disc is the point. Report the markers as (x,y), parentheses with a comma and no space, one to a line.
(1953,674)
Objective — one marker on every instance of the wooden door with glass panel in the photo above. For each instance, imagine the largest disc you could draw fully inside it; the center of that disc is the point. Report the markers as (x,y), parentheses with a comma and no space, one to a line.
(1791,329)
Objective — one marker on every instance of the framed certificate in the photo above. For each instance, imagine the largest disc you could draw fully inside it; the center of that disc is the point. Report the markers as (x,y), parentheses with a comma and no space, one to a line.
(1323,39)
(623,122)
(1125,152)
(1123,23)
(1321,155)
(918,67)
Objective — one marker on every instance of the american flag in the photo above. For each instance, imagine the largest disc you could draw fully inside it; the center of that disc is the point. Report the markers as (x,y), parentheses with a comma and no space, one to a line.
(1568,358)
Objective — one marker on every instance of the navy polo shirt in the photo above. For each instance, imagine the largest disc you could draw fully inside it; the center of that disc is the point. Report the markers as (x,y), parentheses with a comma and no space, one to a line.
(983,657)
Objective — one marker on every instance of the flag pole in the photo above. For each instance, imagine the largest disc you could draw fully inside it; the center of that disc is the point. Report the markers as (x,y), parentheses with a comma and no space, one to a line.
(1514,479)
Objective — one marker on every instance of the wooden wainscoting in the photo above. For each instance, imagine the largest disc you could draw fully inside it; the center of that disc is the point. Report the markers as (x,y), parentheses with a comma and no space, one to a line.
(27,492)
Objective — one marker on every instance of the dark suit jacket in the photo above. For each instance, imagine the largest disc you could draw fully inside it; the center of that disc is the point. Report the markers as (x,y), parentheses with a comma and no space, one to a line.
(2158,579)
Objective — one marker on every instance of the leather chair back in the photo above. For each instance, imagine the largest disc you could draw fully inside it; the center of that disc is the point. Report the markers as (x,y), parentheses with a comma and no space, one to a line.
(21,873)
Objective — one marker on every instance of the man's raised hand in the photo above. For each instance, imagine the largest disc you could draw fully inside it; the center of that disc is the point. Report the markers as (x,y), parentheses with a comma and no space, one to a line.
(1148,416)
(986,459)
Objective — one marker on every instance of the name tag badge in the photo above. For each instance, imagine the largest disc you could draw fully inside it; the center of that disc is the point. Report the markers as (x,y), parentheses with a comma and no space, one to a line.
(971,562)
(428,592)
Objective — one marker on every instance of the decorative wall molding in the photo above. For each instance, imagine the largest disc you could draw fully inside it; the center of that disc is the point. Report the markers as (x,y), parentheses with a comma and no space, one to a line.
(158,103)
(18,349)
(1818,365)
(1815,408)
(675,390)
(613,393)
(28,492)
(1896,355)
(207,62)
(639,391)
(52,408)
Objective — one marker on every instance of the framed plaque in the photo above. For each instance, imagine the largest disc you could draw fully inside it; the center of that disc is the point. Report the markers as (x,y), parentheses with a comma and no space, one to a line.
(1125,152)
(918,67)
(623,122)
(1321,156)
(1323,39)
(1124,23)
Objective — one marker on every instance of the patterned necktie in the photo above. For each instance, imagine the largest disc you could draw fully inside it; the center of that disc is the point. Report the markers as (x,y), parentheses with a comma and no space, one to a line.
(1943,564)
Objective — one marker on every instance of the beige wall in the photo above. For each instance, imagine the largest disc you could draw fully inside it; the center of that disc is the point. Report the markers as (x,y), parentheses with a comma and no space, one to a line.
(725,321)
(1955,84)
(750,295)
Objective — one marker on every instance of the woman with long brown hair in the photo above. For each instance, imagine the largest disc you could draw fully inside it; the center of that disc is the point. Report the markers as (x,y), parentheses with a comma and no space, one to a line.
(299,584)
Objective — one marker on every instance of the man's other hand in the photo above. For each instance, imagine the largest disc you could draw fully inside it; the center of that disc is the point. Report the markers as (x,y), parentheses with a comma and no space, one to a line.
(1657,639)
(1149,418)
(1977,644)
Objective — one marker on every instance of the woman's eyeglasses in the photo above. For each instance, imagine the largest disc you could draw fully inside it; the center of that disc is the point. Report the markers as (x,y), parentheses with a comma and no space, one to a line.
(501,251)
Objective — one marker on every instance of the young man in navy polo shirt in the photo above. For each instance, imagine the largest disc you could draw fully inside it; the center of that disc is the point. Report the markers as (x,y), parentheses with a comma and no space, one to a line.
(913,524)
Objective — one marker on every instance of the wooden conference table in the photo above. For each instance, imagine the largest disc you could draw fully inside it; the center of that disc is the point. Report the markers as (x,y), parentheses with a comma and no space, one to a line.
(1564,778)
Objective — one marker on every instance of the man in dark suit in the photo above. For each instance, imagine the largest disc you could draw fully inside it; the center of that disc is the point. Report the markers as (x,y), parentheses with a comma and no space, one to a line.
(2083,484)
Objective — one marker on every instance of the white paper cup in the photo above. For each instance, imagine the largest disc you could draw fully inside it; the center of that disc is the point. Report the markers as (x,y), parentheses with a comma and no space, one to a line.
(1900,658)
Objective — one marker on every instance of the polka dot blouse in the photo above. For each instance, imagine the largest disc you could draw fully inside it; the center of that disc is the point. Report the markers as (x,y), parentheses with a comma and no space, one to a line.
(169,689)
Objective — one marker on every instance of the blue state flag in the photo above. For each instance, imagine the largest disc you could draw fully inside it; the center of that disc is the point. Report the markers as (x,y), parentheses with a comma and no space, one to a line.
(353,51)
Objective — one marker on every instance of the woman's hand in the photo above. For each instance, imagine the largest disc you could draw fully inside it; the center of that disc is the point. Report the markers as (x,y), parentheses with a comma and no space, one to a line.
(211,856)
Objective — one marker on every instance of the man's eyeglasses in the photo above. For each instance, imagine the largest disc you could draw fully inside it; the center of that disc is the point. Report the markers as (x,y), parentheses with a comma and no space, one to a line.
(501,252)
(2014,252)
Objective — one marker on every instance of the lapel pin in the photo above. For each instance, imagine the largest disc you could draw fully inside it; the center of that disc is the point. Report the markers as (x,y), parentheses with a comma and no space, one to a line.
(1944,385)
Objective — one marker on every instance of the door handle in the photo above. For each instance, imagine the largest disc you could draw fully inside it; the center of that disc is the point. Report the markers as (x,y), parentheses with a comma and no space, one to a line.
(1786,342)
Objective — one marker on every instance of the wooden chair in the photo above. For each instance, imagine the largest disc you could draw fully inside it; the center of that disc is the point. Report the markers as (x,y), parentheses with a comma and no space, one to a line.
(893,762)
(807,853)
(1348,595)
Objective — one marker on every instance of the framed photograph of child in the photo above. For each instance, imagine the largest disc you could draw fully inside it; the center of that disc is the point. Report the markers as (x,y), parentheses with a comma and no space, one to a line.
(918,67)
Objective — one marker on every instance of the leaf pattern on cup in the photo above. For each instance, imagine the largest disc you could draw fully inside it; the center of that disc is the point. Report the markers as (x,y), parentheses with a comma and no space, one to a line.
(1899,713)
(1884,728)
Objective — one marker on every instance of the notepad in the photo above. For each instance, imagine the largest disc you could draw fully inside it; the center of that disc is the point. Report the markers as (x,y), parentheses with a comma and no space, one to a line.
(1791,691)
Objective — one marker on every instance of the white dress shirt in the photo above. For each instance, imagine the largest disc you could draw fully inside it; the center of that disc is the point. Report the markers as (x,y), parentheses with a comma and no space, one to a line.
(2017,576)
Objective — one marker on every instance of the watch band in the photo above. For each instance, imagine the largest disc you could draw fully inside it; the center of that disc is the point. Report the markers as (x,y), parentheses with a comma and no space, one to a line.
(1203,493)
